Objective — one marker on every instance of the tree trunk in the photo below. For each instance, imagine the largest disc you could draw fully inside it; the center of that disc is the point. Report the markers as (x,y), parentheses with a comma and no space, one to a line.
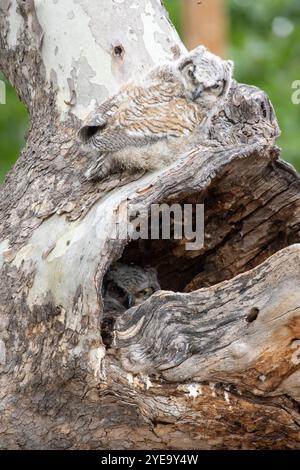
(210,362)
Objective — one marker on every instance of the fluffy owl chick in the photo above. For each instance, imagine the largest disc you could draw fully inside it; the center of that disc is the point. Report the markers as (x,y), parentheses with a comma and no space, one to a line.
(125,286)
(149,124)
(130,285)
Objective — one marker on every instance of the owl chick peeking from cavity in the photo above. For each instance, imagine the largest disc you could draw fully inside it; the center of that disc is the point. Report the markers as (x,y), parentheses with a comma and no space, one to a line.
(149,124)
(129,285)
(125,286)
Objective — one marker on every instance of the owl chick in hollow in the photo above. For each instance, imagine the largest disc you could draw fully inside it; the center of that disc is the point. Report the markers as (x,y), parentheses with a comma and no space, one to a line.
(125,286)
(130,285)
(149,124)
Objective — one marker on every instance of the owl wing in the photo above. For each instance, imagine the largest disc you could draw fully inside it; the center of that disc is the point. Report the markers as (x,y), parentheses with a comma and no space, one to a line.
(100,118)
(144,116)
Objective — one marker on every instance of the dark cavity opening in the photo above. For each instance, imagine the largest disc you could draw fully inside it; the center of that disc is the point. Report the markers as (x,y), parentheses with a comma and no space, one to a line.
(252,315)
(239,233)
(119,51)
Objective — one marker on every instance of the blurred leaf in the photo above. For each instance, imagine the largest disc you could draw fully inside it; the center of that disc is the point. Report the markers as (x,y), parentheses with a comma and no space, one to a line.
(13,126)
(175,9)
(269,61)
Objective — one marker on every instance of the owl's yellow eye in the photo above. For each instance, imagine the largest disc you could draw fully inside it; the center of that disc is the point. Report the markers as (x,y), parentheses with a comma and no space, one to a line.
(145,292)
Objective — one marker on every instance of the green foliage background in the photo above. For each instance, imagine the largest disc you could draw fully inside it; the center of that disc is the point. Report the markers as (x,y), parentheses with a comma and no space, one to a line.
(261,58)
(270,62)
(13,125)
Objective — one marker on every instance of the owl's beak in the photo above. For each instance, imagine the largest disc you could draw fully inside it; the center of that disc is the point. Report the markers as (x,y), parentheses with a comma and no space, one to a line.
(129,301)
(197,93)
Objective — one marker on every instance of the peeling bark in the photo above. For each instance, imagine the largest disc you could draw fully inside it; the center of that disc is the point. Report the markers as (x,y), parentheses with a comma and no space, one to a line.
(213,364)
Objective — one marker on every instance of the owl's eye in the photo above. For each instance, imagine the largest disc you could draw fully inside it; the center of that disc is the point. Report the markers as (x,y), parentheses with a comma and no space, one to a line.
(145,292)
(191,71)
(219,85)
(148,291)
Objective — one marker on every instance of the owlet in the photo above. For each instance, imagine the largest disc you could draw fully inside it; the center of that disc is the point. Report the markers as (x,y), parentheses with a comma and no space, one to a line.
(148,124)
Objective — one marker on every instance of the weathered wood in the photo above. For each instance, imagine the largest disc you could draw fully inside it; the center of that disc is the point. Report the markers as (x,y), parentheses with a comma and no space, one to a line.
(250,323)
(60,387)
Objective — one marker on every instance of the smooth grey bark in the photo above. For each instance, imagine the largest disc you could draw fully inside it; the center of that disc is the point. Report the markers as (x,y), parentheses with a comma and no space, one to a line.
(211,366)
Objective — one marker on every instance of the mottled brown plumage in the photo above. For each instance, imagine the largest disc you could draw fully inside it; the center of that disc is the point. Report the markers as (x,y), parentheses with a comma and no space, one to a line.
(125,286)
(149,124)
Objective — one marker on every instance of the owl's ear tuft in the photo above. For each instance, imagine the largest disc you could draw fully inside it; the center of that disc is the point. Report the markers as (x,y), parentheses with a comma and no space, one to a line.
(188,58)
(151,270)
(199,50)
(153,276)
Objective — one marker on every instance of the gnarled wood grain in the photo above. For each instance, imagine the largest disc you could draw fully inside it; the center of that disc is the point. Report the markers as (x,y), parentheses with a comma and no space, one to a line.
(244,332)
